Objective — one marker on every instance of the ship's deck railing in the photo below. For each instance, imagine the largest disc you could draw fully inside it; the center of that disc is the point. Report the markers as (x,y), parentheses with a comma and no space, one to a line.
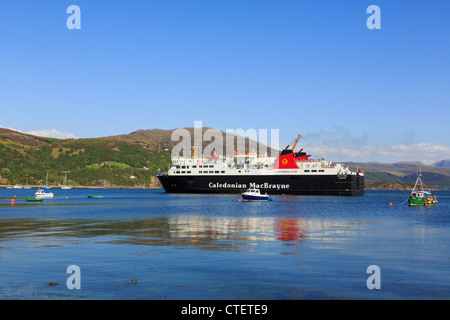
(254,162)
(311,160)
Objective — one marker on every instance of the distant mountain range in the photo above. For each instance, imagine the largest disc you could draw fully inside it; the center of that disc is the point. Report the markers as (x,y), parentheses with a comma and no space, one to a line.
(443,163)
(132,160)
(405,172)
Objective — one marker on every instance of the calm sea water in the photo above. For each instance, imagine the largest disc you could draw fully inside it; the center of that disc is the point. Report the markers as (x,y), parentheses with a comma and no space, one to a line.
(146,244)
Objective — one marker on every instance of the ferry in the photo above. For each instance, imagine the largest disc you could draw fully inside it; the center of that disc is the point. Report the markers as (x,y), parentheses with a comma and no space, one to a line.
(291,172)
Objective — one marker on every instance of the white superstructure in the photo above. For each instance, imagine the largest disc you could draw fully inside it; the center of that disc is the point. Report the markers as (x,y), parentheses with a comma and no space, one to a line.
(251,164)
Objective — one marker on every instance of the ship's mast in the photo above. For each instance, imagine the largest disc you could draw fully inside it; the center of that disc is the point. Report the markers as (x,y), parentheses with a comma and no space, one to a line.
(418,180)
(65,177)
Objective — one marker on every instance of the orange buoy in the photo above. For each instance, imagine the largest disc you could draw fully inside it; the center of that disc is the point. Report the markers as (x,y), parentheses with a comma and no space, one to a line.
(390,203)
(426,204)
(12,201)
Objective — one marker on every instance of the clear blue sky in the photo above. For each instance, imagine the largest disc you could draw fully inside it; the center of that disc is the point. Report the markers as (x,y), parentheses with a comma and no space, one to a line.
(303,66)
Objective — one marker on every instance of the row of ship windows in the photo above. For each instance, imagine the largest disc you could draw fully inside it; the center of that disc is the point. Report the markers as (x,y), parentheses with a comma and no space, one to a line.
(200,172)
(194,167)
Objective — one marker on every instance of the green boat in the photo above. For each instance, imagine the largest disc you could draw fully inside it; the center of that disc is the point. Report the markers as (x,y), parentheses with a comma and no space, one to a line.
(421,197)
(34,199)
(95,197)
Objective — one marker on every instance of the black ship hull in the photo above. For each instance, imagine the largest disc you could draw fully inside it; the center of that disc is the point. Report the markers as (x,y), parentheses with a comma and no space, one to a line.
(351,185)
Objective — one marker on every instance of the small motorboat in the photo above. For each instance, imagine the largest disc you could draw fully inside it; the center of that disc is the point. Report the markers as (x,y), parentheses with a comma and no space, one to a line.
(255,195)
(95,197)
(41,193)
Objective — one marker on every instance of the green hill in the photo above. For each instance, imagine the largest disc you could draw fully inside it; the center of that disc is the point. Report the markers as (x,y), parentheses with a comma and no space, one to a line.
(97,161)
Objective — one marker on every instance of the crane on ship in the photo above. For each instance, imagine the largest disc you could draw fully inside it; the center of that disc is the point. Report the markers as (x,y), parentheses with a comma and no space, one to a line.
(296,140)
(295,144)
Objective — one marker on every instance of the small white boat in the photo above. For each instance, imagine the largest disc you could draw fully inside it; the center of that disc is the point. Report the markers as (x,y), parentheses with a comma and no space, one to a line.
(43,194)
(255,195)
(65,186)
(18,186)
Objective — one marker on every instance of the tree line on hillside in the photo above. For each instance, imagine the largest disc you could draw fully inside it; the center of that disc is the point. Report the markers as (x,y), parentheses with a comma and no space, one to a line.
(86,163)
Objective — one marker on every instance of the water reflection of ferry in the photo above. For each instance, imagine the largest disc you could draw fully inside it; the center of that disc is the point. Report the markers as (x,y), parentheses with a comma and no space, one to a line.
(254,229)
(203,232)
(288,229)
